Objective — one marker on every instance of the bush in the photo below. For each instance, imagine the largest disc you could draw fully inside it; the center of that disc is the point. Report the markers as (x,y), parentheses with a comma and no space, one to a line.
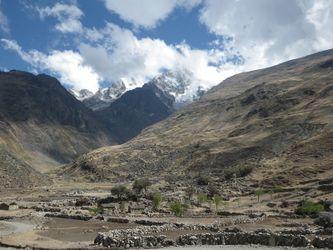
(309,208)
(190,191)
(327,204)
(120,191)
(217,201)
(203,180)
(157,199)
(141,184)
(202,197)
(238,171)
(178,208)
(96,210)
(122,206)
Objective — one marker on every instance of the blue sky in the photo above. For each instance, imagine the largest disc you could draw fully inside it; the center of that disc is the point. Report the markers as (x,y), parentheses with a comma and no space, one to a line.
(90,44)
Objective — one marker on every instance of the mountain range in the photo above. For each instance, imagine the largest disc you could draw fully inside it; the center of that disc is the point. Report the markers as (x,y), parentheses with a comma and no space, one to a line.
(269,127)
(174,83)
(43,125)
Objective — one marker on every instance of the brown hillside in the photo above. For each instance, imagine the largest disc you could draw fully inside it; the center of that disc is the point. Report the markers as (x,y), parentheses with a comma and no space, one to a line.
(276,121)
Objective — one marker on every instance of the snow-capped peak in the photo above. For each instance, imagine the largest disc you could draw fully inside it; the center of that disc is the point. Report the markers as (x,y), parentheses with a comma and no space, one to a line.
(179,84)
(81,94)
(111,93)
(173,82)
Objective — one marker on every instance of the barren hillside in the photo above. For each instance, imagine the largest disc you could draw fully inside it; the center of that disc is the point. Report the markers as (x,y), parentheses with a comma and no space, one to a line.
(273,126)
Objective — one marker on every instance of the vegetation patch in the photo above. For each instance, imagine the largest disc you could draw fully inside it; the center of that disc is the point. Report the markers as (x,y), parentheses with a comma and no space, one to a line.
(178,208)
(237,171)
(309,208)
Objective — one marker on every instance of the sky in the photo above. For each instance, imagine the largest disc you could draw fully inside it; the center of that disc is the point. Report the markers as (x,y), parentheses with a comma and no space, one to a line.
(89,44)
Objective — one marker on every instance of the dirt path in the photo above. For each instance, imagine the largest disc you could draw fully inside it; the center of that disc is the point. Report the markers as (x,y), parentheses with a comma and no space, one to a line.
(14,227)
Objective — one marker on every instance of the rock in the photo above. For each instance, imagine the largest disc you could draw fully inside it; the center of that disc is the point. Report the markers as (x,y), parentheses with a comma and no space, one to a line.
(323,243)
(325,220)
(118,220)
(271,204)
(232,230)
(258,215)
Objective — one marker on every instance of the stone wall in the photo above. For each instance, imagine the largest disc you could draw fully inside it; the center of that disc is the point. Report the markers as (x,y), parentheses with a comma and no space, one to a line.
(151,237)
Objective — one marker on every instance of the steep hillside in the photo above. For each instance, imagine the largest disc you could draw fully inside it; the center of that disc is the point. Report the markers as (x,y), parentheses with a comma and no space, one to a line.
(136,110)
(42,125)
(272,126)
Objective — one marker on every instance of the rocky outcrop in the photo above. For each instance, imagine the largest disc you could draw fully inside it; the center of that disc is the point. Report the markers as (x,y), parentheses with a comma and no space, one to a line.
(323,242)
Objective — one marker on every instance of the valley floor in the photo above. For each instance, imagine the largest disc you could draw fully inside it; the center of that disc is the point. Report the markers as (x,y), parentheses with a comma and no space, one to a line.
(49,218)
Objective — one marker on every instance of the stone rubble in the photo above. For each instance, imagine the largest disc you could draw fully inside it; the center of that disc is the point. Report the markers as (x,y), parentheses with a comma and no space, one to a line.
(152,236)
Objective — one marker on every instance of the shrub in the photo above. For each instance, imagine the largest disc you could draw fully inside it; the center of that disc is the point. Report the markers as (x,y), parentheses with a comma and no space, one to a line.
(327,204)
(141,184)
(309,208)
(120,191)
(96,210)
(190,191)
(157,199)
(178,208)
(217,201)
(203,180)
(202,197)
(274,190)
(237,171)
(122,206)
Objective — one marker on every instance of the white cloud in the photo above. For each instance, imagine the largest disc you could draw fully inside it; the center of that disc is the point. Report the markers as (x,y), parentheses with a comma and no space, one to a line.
(68,65)
(68,17)
(264,32)
(123,55)
(267,32)
(147,13)
(320,14)
(4,24)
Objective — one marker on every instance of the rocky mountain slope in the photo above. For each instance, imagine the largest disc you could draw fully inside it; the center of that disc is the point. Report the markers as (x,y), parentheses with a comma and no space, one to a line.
(42,125)
(136,110)
(270,127)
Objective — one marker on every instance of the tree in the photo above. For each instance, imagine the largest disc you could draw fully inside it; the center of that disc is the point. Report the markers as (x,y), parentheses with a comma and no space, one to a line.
(202,198)
(141,184)
(190,191)
(157,199)
(120,191)
(217,201)
(258,193)
(177,208)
